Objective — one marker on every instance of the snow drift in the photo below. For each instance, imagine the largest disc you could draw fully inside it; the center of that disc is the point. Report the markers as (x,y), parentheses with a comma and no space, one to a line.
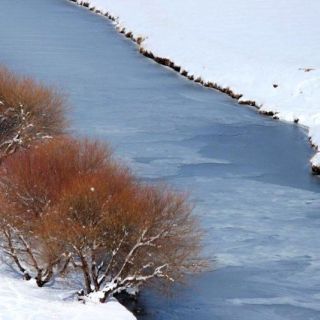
(24,300)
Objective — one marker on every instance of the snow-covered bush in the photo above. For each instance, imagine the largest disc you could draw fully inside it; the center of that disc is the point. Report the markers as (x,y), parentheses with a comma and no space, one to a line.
(29,112)
(70,201)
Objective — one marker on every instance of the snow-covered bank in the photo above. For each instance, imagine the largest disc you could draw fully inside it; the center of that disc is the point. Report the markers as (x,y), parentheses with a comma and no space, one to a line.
(24,300)
(266,52)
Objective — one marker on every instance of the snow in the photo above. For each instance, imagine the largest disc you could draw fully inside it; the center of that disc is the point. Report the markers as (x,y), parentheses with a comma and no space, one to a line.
(22,300)
(268,51)
(315,160)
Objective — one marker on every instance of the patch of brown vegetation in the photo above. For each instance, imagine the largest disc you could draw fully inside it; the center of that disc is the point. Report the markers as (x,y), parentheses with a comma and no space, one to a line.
(67,204)
(29,112)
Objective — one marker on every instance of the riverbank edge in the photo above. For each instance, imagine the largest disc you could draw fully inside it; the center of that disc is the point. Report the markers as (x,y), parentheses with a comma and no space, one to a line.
(138,40)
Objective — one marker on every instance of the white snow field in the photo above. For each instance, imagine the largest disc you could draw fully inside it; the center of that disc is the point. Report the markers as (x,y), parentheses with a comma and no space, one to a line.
(23,300)
(266,50)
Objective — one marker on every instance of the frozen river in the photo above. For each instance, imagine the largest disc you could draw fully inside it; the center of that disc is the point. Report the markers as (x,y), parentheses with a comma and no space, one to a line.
(248,175)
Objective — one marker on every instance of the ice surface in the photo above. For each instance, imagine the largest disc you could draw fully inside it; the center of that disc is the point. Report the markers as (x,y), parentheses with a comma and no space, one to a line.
(268,51)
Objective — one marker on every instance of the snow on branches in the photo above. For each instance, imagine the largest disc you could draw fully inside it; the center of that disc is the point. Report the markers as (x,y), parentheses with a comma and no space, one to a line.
(29,112)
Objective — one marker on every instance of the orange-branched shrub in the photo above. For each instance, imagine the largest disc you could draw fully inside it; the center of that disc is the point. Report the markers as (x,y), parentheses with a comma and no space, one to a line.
(29,112)
(34,178)
(31,182)
(77,204)
(124,234)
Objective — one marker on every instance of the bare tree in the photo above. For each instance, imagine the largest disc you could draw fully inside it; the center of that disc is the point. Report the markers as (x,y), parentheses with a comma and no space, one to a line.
(29,112)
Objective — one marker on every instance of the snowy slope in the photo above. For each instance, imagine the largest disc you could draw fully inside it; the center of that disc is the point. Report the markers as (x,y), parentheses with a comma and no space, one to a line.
(265,50)
(22,300)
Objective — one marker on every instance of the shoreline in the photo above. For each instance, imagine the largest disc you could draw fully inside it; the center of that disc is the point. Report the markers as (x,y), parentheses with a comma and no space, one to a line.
(314,162)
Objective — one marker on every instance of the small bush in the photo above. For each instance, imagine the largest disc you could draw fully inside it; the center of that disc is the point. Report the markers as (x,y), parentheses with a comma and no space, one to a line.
(29,112)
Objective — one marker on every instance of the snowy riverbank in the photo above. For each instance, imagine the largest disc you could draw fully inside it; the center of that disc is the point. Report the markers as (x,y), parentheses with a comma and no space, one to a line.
(266,52)
(24,300)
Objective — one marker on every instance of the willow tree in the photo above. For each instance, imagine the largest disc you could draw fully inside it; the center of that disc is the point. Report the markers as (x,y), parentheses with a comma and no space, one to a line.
(31,181)
(73,207)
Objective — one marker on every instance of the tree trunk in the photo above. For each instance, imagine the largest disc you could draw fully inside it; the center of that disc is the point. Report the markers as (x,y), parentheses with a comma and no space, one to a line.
(86,274)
